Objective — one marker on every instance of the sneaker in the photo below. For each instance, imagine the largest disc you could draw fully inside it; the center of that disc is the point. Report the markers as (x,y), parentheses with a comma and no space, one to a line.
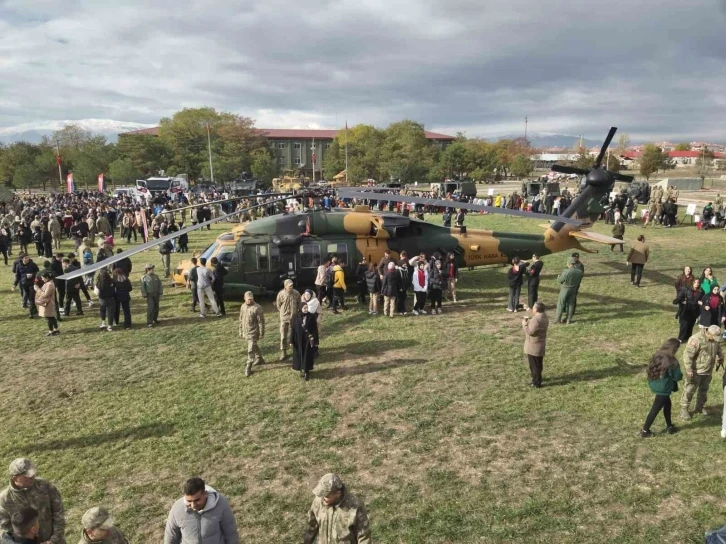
(102,325)
(404,313)
(646,434)
(439,311)
(62,311)
(202,315)
(455,300)
(423,312)
(218,314)
(150,325)
(671,429)
(415,312)
(90,303)
(723,434)
(49,333)
(685,415)
(509,310)
(109,328)
(56,332)
(702,412)
(248,371)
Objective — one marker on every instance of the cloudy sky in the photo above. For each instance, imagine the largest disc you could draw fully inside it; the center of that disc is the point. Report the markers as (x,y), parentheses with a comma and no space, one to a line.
(655,69)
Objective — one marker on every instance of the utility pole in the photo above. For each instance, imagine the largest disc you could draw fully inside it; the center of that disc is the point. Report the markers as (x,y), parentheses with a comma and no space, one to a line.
(313,158)
(58,160)
(209,146)
(346,153)
(525,129)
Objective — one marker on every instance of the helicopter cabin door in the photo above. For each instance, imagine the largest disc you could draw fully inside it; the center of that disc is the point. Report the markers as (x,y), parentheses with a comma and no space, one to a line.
(229,257)
(256,266)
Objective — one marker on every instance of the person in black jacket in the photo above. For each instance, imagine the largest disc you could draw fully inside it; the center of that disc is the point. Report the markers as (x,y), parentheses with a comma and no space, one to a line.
(38,240)
(219,272)
(25,275)
(124,264)
(122,297)
(403,288)
(689,309)
(389,289)
(25,236)
(72,288)
(56,266)
(47,240)
(107,298)
(515,276)
(533,274)
(712,308)
(165,251)
(373,285)
(4,244)
(436,286)
(361,283)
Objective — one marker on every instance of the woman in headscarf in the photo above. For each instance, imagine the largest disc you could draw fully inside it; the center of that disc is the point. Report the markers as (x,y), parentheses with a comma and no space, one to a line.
(313,308)
(304,339)
(712,308)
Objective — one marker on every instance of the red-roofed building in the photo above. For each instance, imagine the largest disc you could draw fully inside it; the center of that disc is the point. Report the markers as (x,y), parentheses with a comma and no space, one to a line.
(294,147)
(682,159)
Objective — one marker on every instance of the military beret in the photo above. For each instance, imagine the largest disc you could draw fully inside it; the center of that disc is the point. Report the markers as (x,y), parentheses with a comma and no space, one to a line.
(22,467)
(97,517)
(327,485)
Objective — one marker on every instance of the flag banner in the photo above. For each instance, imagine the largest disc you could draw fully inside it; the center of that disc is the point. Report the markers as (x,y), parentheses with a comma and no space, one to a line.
(70,184)
(145,224)
(101,184)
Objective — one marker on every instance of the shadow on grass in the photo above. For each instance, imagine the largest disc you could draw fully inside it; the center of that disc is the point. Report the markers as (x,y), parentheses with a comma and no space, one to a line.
(713,419)
(151,430)
(368,368)
(377,347)
(619,369)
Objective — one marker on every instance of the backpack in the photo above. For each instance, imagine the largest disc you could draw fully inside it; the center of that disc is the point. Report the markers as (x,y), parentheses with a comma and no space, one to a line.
(717,536)
(87,257)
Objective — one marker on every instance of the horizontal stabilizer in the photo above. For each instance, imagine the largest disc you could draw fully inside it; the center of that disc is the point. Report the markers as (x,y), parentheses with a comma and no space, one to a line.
(596,237)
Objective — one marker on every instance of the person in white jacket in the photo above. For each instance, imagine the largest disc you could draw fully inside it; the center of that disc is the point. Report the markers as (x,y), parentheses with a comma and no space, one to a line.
(420,280)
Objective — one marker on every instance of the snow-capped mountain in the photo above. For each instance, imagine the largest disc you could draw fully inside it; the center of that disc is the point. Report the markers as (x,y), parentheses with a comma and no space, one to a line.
(33,132)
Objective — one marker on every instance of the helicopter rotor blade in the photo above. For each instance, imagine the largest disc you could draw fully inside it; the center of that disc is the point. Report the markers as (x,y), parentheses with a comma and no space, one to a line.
(452,204)
(622,177)
(153,243)
(569,170)
(605,146)
(231,199)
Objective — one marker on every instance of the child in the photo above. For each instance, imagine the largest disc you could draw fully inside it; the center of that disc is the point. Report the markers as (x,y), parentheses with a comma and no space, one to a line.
(664,372)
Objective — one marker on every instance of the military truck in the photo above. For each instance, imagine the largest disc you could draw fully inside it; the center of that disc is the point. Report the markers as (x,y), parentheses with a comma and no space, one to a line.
(532,188)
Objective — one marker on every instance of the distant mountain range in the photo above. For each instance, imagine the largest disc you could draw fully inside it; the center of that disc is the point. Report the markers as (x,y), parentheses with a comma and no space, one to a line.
(542,140)
(34,132)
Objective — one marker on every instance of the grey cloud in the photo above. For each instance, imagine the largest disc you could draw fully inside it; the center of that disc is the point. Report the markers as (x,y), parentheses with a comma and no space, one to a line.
(478,66)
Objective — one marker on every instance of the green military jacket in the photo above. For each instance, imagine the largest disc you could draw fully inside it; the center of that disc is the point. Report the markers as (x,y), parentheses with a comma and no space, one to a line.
(151,285)
(570,278)
(45,498)
(701,354)
(345,522)
(618,229)
(114,537)
(251,321)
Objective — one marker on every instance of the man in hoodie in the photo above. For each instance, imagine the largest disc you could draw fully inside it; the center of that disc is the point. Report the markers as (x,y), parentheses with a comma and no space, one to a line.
(336,515)
(25,527)
(339,287)
(287,303)
(98,526)
(201,516)
(25,490)
(205,280)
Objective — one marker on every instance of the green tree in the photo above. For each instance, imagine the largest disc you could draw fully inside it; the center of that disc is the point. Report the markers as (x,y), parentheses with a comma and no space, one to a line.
(584,159)
(264,165)
(149,154)
(365,146)
(612,162)
(683,146)
(124,172)
(623,143)
(12,157)
(521,166)
(456,159)
(506,150)
(704,163)
(407,154)
(652,160)
(26,176)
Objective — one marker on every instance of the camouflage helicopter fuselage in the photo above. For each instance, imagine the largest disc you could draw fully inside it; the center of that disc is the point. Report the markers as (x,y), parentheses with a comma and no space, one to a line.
(260,254)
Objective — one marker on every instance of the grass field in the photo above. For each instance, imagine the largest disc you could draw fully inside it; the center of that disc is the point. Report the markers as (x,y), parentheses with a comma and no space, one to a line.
(430,420)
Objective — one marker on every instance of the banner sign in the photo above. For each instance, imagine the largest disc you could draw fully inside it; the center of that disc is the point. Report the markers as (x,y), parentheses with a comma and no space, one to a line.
(101,184)
(70,184)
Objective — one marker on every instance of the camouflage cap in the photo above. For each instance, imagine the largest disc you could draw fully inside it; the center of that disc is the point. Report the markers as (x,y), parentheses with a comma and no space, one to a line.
(97,517)
(288,283)
(714,330)
(327,485)
(22,467)
(249,295)
(149,266)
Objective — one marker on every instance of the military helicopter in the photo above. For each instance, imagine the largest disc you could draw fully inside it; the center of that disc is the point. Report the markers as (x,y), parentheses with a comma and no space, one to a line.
(261,254)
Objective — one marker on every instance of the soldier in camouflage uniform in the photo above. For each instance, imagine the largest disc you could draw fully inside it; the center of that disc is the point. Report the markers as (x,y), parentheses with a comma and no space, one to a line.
(569,280)
(26,490)
(702,351)
(336,515)
(98,526)
(287,303)
(252,329)
(652,209)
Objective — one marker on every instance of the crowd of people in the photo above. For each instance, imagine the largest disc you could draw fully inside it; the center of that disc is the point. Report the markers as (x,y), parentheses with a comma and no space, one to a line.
(31,512)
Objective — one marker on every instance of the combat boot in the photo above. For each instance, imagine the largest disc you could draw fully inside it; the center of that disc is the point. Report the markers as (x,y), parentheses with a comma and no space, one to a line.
(283,355)
(248,370)
(685,414)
